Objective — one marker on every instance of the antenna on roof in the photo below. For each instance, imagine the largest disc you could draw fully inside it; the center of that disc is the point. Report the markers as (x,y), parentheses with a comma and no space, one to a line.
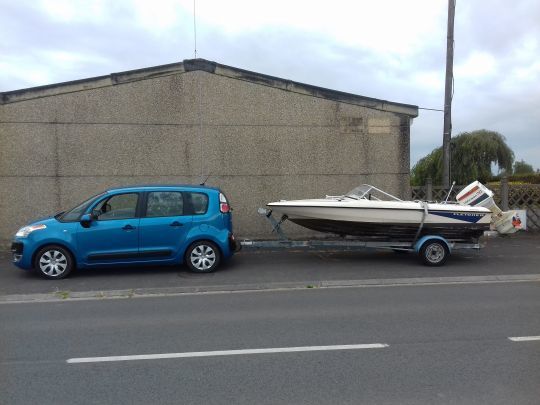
(203,183)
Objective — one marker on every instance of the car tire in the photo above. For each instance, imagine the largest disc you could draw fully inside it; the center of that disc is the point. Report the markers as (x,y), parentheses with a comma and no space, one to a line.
(203,257)
(53,262)
(434,252)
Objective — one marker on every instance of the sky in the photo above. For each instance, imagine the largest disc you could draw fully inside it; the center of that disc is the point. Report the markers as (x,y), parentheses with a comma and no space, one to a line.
(388,49)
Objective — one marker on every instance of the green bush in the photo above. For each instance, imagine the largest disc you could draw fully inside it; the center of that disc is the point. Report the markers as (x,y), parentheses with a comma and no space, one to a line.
(529,178)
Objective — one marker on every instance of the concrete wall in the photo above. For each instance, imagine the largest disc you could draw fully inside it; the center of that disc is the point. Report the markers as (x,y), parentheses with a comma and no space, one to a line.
(258,143)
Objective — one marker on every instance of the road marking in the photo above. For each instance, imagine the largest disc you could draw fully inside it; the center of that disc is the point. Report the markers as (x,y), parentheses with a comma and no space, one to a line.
(524,338)
(225,353)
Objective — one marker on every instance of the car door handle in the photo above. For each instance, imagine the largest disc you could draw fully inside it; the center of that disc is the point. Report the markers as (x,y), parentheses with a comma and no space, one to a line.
(176,223)
(128,228)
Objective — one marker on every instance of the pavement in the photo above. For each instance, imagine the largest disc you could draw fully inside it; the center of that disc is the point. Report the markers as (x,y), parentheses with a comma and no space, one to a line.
(503,259)
(429,344)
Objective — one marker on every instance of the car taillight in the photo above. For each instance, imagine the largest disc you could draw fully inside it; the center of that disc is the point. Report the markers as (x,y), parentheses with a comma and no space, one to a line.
(223,204)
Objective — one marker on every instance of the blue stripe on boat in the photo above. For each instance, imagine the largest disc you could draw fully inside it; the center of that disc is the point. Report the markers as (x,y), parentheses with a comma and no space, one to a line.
(460,216)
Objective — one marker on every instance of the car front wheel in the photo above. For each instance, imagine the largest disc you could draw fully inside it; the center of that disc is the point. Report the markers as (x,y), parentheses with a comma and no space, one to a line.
(53,262)
(203,257)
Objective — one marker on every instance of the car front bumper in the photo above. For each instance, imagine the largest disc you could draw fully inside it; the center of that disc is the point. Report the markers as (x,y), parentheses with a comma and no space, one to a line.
(20,255)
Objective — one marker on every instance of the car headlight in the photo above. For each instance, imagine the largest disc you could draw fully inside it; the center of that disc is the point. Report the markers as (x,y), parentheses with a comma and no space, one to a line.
(27,230)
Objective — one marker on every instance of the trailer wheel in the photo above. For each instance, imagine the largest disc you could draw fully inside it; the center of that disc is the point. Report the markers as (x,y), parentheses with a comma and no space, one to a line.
(434,252)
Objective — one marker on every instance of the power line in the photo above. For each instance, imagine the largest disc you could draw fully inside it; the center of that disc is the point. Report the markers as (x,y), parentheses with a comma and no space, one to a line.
(430,109)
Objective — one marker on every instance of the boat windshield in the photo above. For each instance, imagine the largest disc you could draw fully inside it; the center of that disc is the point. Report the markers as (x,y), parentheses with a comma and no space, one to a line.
(369,192)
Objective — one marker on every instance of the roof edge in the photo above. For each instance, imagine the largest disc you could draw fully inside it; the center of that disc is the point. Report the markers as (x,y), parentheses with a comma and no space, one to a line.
(311,90)
(90,83)
(191,65)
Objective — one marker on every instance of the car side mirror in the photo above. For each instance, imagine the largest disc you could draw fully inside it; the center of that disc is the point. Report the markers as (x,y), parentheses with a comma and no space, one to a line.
(86,220)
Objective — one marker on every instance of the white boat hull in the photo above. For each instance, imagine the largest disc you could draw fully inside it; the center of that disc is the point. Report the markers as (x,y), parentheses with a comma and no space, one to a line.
(389,220)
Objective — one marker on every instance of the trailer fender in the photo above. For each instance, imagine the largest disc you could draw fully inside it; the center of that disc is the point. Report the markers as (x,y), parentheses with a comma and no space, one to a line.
(423,239)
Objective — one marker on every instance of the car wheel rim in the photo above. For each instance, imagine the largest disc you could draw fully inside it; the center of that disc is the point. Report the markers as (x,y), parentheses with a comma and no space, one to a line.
(435,253)
(203,257)
(53,263)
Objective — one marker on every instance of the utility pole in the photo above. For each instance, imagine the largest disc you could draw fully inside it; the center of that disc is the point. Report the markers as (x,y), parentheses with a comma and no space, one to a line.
(448,93)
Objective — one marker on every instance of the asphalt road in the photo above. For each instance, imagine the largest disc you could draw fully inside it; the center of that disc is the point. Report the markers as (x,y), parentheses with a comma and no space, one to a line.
(502,256)
(445,345)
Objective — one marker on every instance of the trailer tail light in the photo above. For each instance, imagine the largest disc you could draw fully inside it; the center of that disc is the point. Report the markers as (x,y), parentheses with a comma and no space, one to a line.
(223,204)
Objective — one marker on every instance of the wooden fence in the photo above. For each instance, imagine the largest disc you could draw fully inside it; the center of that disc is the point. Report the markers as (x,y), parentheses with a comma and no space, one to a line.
(507,196)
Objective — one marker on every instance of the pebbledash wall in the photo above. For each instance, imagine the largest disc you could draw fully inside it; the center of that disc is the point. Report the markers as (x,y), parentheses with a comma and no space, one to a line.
(258,137)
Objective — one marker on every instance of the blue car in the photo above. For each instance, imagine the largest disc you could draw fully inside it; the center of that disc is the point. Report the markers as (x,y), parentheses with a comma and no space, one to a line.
(155,224)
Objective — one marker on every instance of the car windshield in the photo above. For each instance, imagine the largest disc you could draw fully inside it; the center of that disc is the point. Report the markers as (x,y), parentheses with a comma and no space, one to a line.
(369,192)
(75,213)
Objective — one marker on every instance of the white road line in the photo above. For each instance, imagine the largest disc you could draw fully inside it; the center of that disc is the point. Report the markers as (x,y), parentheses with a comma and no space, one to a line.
(225,353)
(524,338)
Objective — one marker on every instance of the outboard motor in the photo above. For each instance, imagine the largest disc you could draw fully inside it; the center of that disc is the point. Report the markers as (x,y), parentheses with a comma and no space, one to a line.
(478,195)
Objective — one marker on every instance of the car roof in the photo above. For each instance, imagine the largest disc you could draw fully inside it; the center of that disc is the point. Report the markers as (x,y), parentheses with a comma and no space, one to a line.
(142,187)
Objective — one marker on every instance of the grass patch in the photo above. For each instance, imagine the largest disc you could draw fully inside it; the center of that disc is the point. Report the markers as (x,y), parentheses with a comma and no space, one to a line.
(62,294)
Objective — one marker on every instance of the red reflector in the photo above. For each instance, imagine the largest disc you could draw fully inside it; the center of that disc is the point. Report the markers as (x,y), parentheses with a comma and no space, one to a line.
(224,208)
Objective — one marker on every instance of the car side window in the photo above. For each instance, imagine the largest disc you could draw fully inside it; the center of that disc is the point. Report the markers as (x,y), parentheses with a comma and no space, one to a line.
(198,203)
(165,204)
(119,206)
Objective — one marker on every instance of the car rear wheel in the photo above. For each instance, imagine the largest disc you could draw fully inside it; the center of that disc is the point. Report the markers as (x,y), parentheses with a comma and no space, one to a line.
(203,257)
(53,262)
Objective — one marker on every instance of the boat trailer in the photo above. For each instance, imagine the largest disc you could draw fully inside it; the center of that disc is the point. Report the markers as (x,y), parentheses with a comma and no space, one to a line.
(433,250)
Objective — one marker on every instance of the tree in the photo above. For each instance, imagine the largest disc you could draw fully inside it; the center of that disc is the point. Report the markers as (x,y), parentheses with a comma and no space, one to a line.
(522,167)
(471,157)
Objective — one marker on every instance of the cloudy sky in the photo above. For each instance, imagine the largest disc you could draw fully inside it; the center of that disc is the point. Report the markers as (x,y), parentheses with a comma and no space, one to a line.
(388,49)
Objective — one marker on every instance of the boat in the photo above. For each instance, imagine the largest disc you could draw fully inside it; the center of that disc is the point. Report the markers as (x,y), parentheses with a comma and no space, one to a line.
(369,213)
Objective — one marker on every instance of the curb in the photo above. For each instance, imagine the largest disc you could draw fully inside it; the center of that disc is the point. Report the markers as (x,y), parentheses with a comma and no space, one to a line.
(60,296)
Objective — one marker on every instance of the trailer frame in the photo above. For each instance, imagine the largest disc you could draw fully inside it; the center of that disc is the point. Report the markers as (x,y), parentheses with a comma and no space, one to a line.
(433,250)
